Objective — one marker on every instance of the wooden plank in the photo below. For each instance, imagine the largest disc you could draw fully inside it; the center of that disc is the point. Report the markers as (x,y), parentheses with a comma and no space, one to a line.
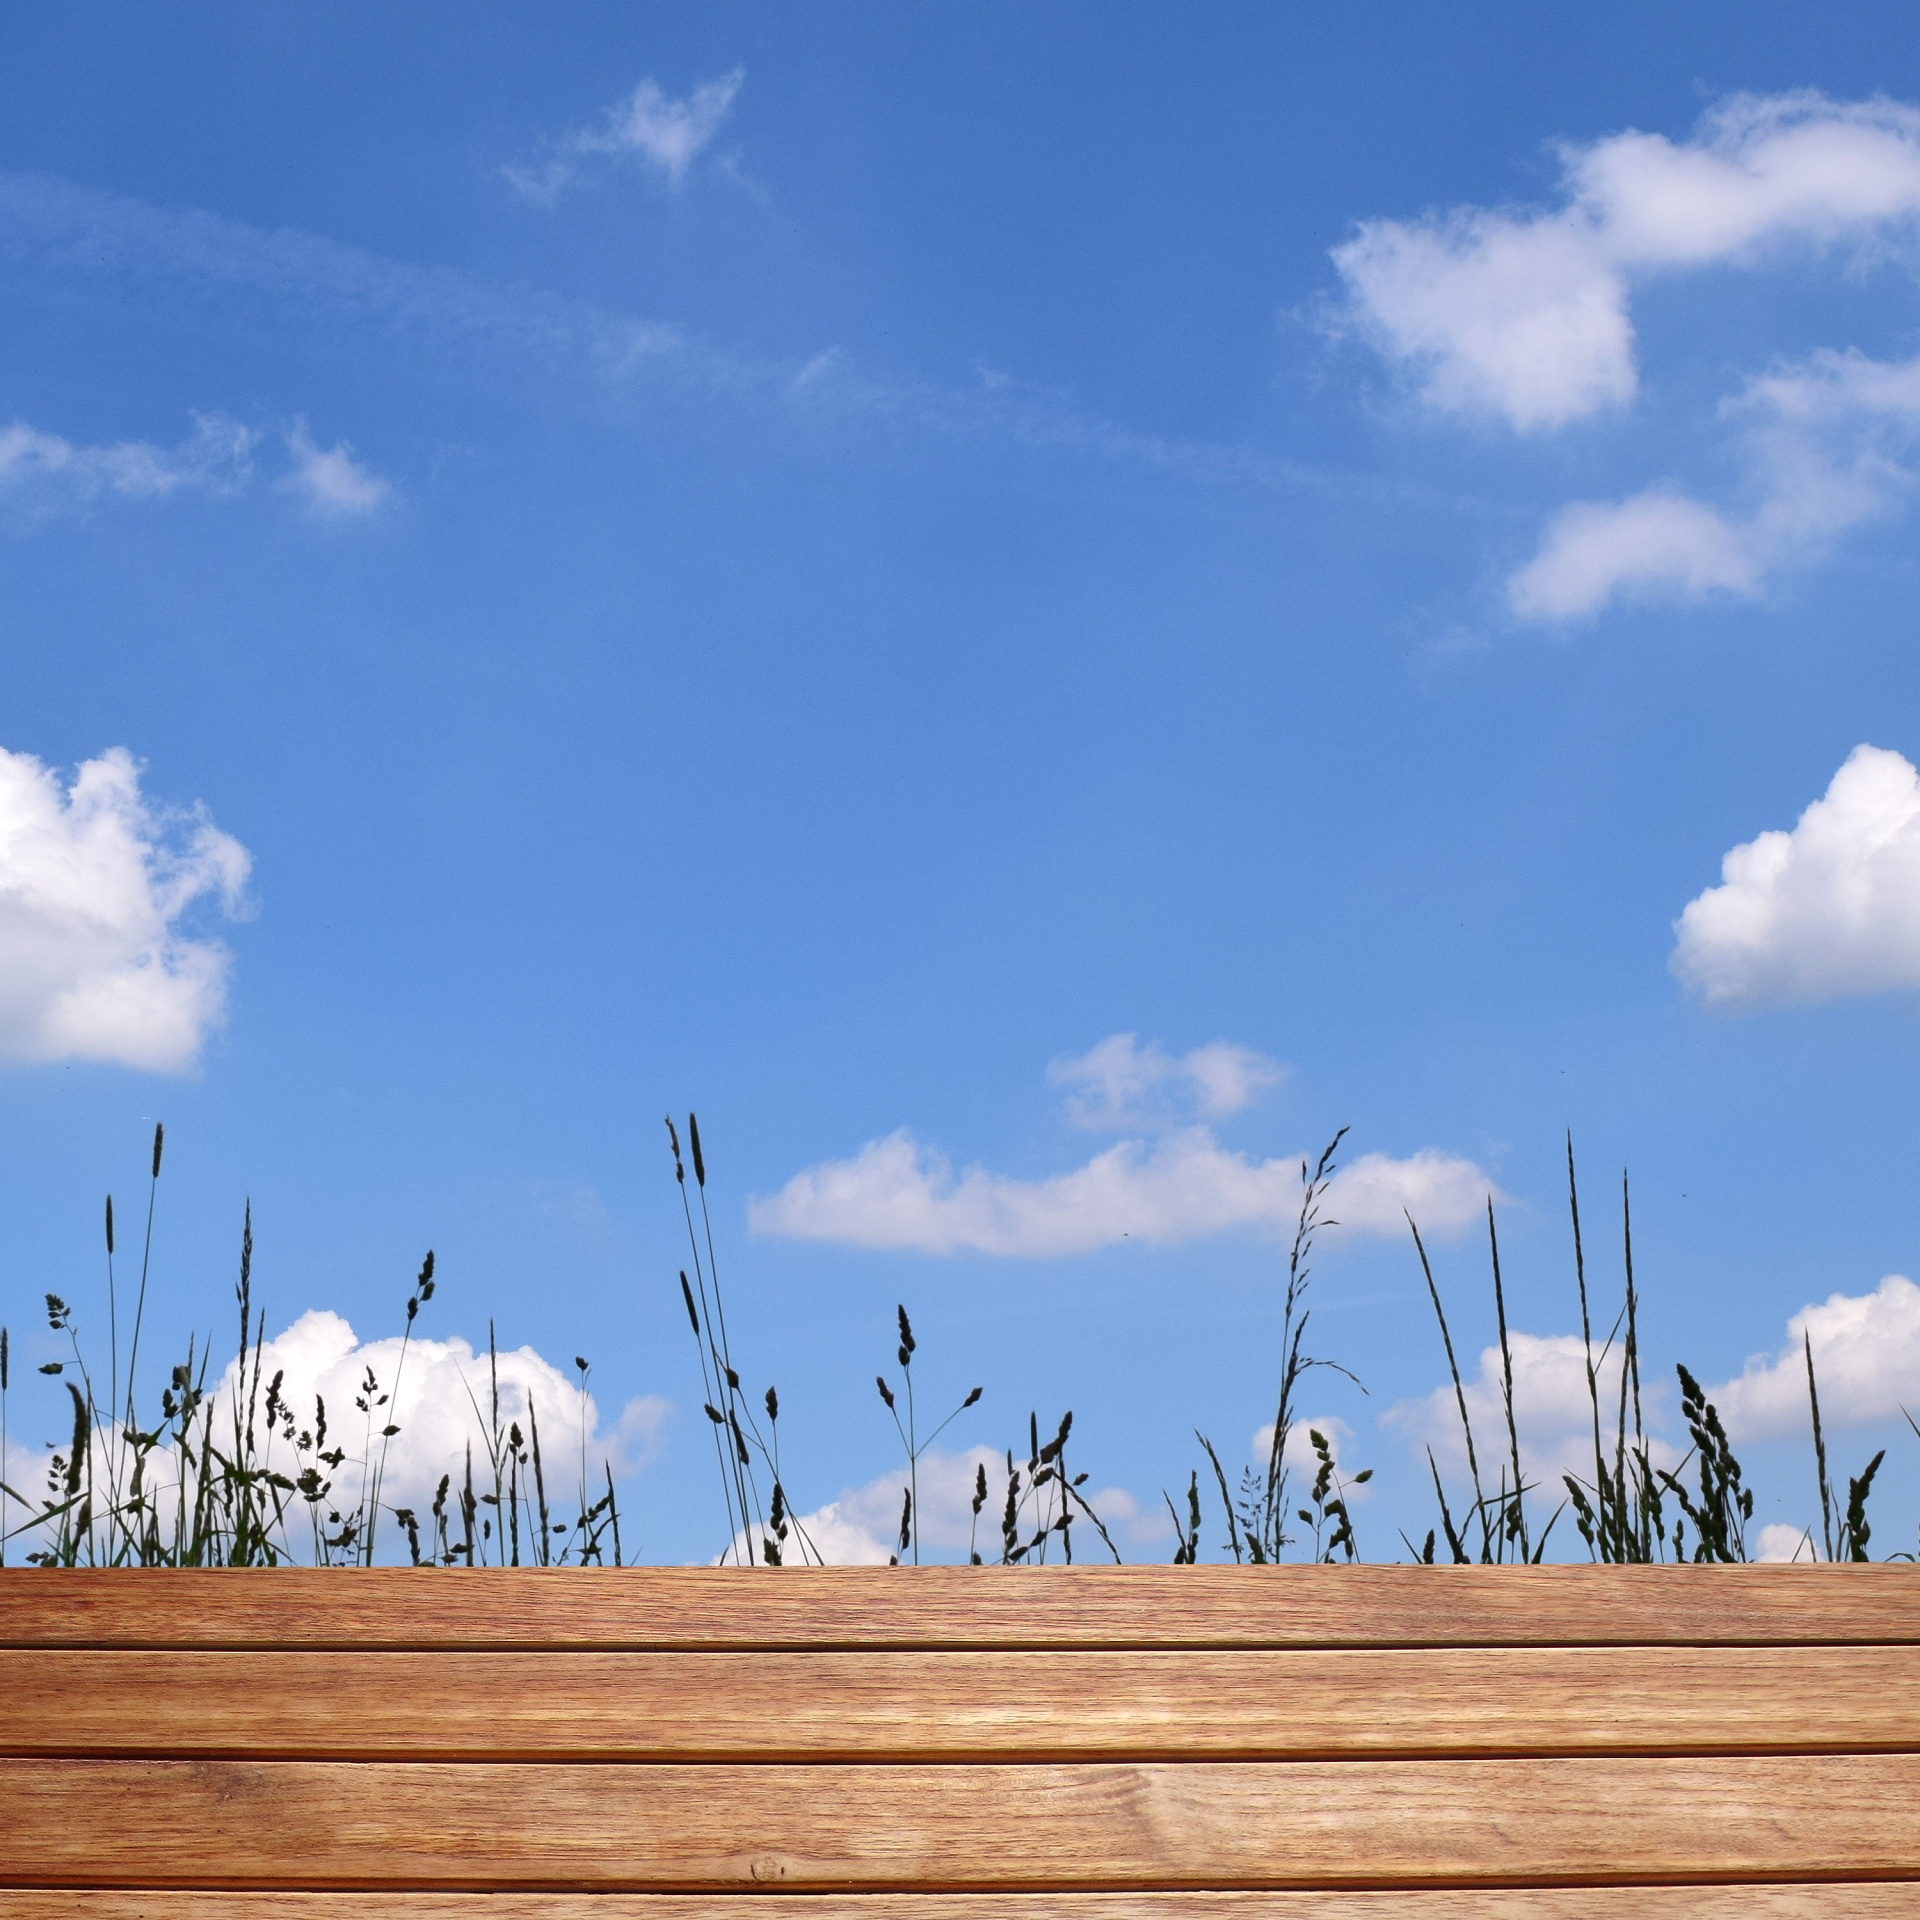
(1882,1900)
(771,1706)
(971,1828)
(719,1608)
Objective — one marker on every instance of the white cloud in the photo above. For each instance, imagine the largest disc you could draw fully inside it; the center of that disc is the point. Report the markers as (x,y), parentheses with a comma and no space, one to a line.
(330,480)
(294,280)
(1866,1350)
(1778,1543)
(96,887)
(897,1195)
(441,1403)
(668,133)
(1551,1408)
(1305,1463)
(1443,1192)
(1119,1083)
(440,1399)
(1821,440)
(1659,544)
(1525,315)
(1521,318)
(862,1527)
(1830,908)
(217,457)
(1866,1355)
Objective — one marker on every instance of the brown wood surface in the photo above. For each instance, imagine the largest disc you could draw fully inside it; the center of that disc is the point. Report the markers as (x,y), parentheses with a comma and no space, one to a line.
(1885,1900)
(698,1607)
(1017,1705)
(975,1828)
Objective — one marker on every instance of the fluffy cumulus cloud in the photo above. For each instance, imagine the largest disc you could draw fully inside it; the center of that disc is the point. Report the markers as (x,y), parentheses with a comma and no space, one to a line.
(861,1528)
(1779,1543)
(668,134)
(1866,1356)
(897,1195)
(1830,908)
(1525,315)
(1305,1462)
(98,893)
(1821,442)
(441,1400)
(1119,1083)
(1658,545)
(439,1396)
(1551,1407)
(1490,313)
(1178,1183)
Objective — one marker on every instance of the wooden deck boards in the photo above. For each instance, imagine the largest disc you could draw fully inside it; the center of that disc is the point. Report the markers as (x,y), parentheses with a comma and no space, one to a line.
(953,1744)
(930,1706)
(728,1609)
(1856,1900)
(1887,1900)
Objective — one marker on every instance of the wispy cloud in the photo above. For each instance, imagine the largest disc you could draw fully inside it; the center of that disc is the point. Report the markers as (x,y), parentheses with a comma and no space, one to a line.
(1827,909)
(1183,1184)
(293,280)
(330,480)
(1118,1083)
(50,226)
(668,134)
(217,457)
(98,888)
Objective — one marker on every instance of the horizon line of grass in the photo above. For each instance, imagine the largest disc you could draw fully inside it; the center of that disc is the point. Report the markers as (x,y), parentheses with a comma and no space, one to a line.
(204,1485)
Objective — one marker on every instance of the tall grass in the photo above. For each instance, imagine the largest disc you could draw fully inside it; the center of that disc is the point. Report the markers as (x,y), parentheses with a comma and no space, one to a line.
(914,1443)
(1257,1515)
(233,1474)
(203,1477)
(1044,1498)
(759,1532)
(1630,1509)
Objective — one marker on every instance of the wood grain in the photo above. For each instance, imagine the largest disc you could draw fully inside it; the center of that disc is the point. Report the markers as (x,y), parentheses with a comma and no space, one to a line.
(972,1828)
(720,1608)
(1884,1900)
(1016,1705)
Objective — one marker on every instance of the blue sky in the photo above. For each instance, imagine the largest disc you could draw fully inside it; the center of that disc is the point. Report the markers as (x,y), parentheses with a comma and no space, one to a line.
(1031,609)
